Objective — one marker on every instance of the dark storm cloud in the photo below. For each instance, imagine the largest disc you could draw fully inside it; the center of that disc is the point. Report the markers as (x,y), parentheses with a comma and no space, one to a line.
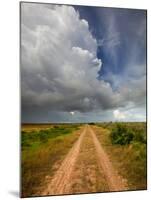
(61,69)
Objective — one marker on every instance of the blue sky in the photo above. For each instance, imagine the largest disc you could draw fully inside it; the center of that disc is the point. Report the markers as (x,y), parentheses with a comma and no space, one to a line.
(119,32)
(81,63)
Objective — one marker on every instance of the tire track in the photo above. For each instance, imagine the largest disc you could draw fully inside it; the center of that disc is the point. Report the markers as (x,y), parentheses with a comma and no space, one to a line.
(115,182)
(60,183)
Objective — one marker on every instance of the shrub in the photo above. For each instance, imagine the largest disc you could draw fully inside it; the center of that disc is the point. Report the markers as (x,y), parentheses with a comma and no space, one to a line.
(91,123)
(121,135)
(43,136)
(140,137)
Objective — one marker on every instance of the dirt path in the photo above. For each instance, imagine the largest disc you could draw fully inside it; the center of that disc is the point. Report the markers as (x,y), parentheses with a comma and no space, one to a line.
(85,169)
(115,182)
(87,176)
(61,181)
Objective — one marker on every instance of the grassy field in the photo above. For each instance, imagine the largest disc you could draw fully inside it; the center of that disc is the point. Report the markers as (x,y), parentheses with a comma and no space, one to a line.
(41,147)
(126,145)
(44,147)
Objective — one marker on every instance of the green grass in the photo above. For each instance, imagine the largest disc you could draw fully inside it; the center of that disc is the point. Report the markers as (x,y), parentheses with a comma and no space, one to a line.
(40,151)
(36,138)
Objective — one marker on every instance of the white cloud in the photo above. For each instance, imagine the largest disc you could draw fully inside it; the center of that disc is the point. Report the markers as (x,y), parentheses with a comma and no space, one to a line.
(59,62)
(72,113)
(118,115)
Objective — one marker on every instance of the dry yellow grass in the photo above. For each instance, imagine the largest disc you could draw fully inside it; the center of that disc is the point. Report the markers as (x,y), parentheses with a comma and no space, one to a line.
(35,127)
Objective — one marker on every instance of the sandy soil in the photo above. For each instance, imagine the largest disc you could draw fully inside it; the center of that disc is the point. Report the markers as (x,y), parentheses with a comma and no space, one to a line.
(115,182)
(61,181)
(87,176)
(85,169)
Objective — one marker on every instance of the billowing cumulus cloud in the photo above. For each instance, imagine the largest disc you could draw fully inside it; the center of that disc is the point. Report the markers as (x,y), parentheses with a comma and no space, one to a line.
(59,66)
(59,62)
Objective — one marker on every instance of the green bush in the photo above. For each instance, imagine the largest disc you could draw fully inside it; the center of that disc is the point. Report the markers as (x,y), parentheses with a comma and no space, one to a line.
(43,136)
(140,137)
(121,135)
(91,123)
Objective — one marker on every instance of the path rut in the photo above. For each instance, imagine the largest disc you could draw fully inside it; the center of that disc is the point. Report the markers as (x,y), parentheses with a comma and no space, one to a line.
(115,182)
(61,180)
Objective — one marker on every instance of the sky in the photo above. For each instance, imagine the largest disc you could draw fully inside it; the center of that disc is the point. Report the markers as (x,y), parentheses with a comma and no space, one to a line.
(82,64)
